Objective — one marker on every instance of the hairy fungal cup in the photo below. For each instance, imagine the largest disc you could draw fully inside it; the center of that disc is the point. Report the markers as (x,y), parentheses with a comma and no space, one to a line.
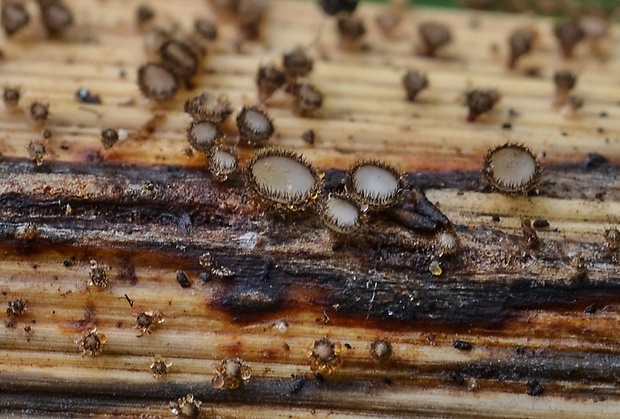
(520,42)
(433,35)
(284,177)
(231,373)
(374,184)
(569,34)
(203,134)
(297,63)
(14,17)
(157,81)
(414,82)
(209,107)
(512,169)
(307,98)
(179,57)
(254,126)
(480,102)
(340,214)
(222,162)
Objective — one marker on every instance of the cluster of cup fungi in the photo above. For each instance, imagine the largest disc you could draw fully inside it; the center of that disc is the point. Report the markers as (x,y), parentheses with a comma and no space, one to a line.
(55,16)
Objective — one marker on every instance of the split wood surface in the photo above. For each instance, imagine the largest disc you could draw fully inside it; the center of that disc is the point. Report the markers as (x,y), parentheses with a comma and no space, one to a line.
(146,209)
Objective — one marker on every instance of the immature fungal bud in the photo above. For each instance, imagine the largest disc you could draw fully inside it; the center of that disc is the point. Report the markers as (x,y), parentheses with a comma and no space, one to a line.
(569,34)
(307,98)
(203,134)
(512,169)
(98,274)
(109,137)
(351,29)
(206,29)
(254,126)
(55,15)
(334,7)
(157,81)
(340,214)
(159,367)
(414,82)
(10,96)
(565,81)
(434,35)
(325,356)
(283,177)
(37,152)
(297,63)
(222,162)
(179,57)
(39,111)
(250,15)
(381,350)
(16,307)
(520,43)
(612,240)
(186,408)
(529,234)
(374,184)
(231,373)
(147,320)
(447,243)
(144,15)
(14,17)
(91,343)
(480,102)
(210,107)
(269,79)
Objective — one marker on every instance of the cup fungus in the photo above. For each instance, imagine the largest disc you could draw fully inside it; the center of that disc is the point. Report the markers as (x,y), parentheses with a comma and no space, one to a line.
(254,126)
(334,7)
(109,137)
(325,356)
(565,81)
(381,350)
(208,106)
(520,43)
(222,162)
(37,151)
(91,343)
(179,57)
(39,111)
(297,63)
(374,184)
(98,274)
(231,373)
(147,320)
(186,407)
(16,307)
(434,35)
(55,15)
(351,30)
(284,177)
(512,169)
(569,34)
(159,367)
(269,79)
(206,29)
(11,96)
(480,102)
(340,214)
(307,98)
(203,134)
(414,82)
(14,17)
(157,81)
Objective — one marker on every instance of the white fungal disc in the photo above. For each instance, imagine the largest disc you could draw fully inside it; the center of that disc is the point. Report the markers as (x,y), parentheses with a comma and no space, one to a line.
(202,135)
(283,177)
(512,169)
(374,183)
(157,81)
(340,214)
(222,162)
(254,126)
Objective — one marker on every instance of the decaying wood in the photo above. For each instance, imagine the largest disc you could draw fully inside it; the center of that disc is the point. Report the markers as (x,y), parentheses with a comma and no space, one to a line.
(505,329)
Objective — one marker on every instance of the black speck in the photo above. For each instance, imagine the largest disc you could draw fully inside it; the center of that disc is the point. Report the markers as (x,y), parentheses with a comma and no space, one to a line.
(387,380)
(122,74)
(461,345)
(600,130)
(564,134)
(84,96)
(540,223)
(603,114)
(346,345)
(457,377)
(495,218)
(593,161)
(591,309)
(66,262)
(520,350)
(535,388)
(506,125)
(183,279)
(297,384)
(205,276)
(512,112)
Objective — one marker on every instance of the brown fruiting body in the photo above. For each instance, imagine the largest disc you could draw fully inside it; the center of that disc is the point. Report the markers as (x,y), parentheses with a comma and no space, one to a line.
(381,350)
(206,29)
(374,184)
(325,356)
(11,96)
(91,343)
(414,82)
(209,107)
(307,98)
(109,137)
(159,367)
(144,15)
(16,307)
(512,169)
(39,111)
(37,152)
(340,214)
(98,274)
(56,16)
(231,373)
(14,17)
(222,162)
(480,101)
(147,320)
(529,234)
(250,15)
(520,43)
(157,81)
(179,57)
(186,408)
(297,63)
(565,81)
(569,34)
(434,35)
(269,79)
(351,29)
(254,126)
